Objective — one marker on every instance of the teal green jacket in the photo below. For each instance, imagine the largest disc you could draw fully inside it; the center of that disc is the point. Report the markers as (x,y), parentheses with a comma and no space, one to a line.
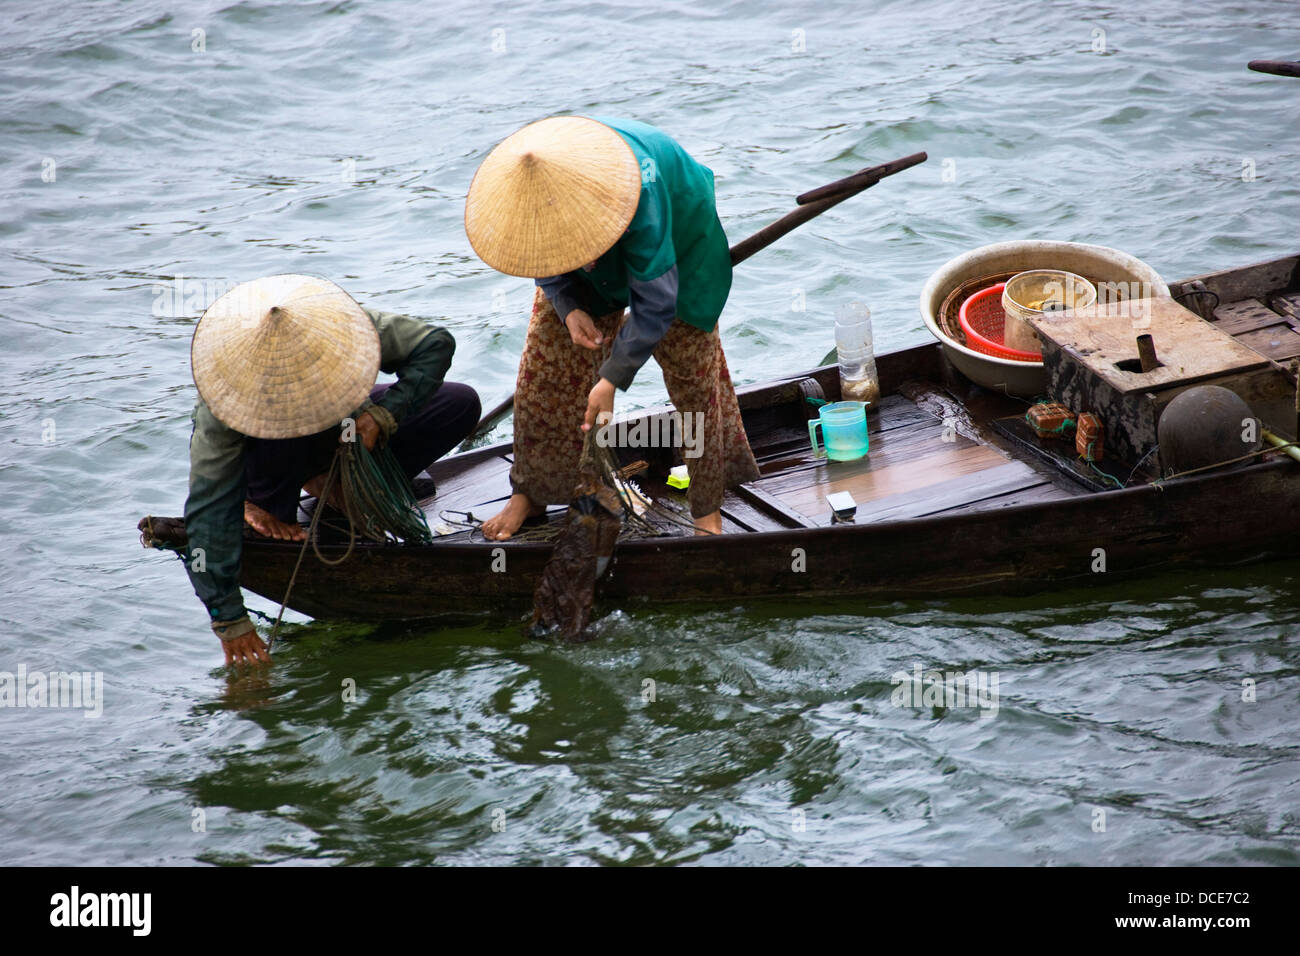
(418,353)
(672,261)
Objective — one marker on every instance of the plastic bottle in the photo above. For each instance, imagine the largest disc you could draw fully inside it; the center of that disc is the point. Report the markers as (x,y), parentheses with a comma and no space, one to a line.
(859,381)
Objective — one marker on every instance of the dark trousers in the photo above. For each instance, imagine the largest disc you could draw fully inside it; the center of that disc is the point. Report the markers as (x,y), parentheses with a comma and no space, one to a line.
(276,468)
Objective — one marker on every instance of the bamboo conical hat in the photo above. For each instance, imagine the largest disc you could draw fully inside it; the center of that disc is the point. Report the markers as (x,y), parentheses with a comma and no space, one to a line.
(284,356)
(553,196)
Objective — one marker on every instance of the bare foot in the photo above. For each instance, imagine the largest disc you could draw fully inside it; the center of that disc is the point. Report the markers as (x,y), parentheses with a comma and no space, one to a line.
(507,521)
(263,522)
(709,524)
(314,486)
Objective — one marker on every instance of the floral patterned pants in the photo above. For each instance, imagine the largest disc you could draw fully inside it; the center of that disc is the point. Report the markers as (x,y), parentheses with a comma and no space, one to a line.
(555,375)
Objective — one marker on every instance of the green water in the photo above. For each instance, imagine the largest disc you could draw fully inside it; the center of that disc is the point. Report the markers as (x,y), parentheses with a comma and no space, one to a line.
(339,138)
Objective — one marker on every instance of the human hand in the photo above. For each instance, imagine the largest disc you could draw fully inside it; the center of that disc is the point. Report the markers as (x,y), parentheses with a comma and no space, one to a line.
(247,648)
(600,404)
(368,430)
(582,330)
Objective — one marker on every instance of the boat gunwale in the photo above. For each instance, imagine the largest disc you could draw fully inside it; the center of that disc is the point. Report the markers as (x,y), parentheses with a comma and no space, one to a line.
(1085,500)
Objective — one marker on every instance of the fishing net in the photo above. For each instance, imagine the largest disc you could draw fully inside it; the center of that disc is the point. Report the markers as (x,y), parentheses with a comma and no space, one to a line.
(604,506)
(381,504)
(566,592)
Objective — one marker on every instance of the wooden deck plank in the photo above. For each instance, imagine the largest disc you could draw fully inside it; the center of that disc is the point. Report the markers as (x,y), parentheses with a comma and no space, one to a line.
(468,488)
(895,411)
(774,505)
(731,526)
(1280,342)
(1004,479)
(1288,305)
(1245,315)
(1027,496)
(751,517)
(807,494)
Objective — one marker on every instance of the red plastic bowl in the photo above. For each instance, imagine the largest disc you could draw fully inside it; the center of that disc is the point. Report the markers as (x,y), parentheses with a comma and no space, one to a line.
(983,320)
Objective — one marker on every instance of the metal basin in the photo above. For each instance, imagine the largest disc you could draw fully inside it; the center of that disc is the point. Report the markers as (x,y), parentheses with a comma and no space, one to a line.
(1114,273)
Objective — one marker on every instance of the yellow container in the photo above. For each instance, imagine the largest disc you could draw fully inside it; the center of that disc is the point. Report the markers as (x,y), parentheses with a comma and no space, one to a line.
(1031,294)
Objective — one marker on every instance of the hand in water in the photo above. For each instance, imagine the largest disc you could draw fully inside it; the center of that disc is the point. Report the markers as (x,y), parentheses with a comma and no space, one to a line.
(246,649)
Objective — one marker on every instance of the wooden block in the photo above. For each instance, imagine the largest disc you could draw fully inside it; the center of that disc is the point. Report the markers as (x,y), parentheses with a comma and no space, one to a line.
(1287,305)
(1091,359)
(755,515)
(1103,338)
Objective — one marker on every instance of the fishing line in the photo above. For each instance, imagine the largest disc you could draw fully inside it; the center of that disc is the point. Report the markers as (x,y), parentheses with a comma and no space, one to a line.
(377,493)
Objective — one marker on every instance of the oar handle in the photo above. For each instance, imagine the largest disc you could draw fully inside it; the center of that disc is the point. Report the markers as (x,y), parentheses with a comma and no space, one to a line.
(491,418)
(830,195)
(861,179)
(1276,67)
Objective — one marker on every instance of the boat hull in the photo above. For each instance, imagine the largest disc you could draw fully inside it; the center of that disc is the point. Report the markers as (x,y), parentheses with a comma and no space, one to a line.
(1212,520)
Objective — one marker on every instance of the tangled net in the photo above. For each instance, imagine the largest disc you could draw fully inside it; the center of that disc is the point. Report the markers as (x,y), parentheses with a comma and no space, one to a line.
(380,502)
(604,506)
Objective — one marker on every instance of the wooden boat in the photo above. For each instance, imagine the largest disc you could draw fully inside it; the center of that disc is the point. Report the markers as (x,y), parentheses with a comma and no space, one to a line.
(955,497)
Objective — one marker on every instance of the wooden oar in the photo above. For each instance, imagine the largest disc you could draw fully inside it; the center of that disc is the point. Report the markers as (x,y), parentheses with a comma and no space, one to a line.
(862,179)
(1276,67)
(811,204)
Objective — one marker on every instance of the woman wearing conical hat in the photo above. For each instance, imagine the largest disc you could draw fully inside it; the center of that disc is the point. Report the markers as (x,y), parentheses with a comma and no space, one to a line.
(279,364)
(609,215)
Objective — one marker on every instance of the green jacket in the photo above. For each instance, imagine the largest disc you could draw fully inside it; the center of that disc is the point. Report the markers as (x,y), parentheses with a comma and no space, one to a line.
(418,353)
(671,262)
(676,224)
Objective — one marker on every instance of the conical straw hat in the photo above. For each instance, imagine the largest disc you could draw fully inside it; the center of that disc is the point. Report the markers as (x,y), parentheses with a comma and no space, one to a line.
(552,197)
(284,356)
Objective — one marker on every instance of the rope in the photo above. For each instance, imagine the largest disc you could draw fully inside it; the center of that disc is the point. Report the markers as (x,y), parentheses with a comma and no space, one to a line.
(311,540)
(1141,462)
(1093,465)
(374,488)
(1159,482)
(1183,295)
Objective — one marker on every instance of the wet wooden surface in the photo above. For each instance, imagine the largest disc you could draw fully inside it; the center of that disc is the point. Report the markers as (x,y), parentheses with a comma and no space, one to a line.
(917,465)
